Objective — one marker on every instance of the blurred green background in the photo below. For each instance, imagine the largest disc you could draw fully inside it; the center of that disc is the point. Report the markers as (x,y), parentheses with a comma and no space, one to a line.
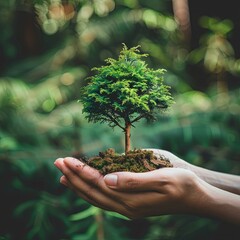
(47,49)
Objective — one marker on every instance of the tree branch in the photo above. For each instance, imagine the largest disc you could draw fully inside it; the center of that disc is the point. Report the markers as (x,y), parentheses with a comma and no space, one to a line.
(137,118)
(115,121)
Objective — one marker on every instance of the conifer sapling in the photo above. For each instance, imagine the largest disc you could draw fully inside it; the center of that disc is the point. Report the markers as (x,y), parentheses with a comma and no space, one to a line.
(124,91)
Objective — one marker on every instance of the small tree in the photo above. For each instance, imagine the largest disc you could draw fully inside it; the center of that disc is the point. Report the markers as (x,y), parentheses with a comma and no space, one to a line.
(125,91)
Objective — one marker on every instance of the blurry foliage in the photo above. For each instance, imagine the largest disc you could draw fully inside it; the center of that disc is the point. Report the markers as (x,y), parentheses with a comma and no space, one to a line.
(47,48)
(216,51)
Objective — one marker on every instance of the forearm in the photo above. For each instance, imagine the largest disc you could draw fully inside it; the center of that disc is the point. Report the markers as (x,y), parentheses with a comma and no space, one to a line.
(227,182)
(221,205)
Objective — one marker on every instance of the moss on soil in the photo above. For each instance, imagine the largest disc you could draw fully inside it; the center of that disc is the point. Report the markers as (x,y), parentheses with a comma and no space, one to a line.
(135,161)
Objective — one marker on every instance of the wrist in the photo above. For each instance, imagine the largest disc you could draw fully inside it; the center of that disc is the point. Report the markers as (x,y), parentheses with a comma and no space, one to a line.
(199,199)
(218,204)
(224,181)
(204,174)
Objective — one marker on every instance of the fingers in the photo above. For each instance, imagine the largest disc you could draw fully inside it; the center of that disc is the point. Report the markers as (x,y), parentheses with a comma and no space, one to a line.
(176,161)
(85,172)
(87,183)
(135,182)
(64,181)
(92,177)
(79,174)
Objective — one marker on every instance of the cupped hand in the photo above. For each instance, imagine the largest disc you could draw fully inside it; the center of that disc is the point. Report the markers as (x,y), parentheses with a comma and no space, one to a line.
(176,161)
(135,195)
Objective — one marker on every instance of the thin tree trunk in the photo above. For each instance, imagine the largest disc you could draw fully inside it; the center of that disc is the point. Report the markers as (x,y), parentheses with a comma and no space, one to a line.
(182,15)
(100,228)
(127,137)
(222,89)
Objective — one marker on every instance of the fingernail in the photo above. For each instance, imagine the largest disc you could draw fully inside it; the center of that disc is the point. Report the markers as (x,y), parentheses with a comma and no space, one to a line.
(111,180)
(56,163)
(63,181)
(72,160)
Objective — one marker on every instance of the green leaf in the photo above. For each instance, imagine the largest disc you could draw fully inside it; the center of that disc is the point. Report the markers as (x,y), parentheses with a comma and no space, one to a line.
(116,215)
(91,211)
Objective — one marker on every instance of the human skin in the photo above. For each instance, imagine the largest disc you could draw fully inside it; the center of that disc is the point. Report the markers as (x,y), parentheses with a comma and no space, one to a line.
(224,181)
(176,190)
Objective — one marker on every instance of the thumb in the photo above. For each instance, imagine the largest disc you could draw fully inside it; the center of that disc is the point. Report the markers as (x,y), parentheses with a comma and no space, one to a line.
(129,181)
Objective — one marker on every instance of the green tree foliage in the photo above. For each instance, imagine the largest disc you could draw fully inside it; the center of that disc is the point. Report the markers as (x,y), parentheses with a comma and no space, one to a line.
(125,91)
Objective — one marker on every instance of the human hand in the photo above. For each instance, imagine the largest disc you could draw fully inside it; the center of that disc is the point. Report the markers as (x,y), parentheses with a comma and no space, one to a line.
(176,161)
(163,191)
(224,181)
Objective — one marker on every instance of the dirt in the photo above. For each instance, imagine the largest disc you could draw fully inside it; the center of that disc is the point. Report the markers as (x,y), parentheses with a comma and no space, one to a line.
(137,160)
